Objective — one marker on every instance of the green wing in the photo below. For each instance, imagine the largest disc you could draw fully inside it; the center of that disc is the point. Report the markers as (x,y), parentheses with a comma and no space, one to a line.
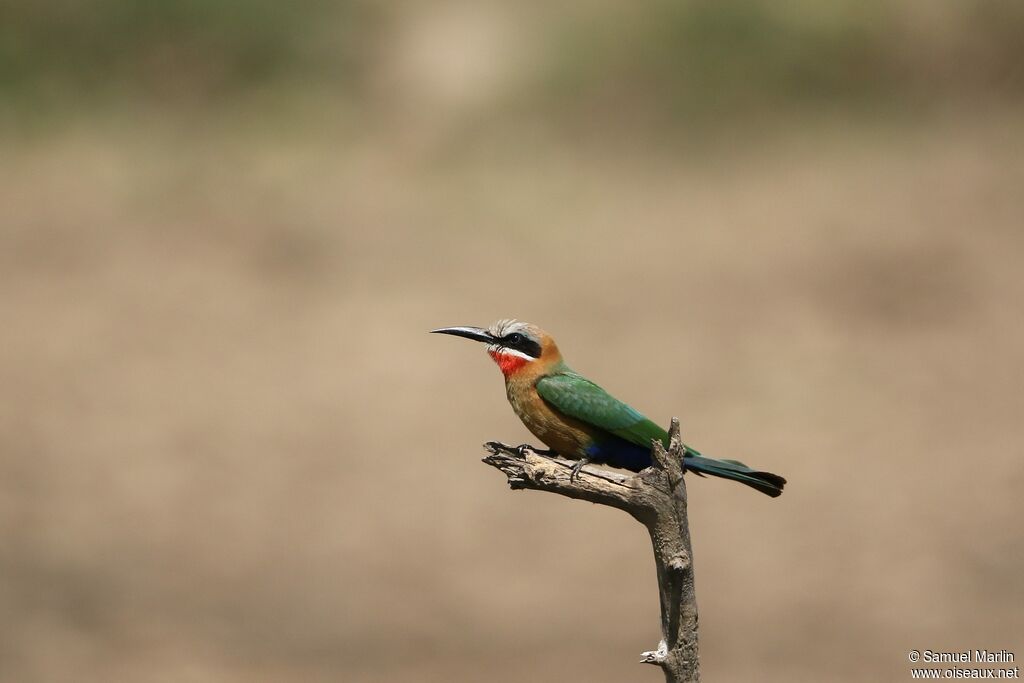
(580,398)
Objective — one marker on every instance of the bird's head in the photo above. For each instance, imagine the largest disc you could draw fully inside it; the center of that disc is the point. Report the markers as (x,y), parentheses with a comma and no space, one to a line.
(513,344)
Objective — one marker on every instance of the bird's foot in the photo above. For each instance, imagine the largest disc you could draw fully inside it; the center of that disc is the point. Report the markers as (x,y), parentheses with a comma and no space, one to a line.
(576,468)
(523,447)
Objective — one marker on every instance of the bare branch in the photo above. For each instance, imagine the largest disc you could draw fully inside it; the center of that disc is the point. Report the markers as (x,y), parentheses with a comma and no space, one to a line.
(656,497)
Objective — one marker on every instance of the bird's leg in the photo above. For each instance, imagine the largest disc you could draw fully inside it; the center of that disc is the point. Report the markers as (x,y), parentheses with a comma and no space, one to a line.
(577,467)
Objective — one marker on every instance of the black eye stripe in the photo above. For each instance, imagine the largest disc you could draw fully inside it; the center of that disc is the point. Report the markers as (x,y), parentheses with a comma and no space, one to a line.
(520,342)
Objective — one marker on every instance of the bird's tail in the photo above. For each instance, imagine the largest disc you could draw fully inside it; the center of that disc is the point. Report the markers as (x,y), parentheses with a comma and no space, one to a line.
(765,482)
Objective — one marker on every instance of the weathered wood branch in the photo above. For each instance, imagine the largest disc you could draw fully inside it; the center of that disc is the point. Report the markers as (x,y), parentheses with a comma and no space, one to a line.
(656,497)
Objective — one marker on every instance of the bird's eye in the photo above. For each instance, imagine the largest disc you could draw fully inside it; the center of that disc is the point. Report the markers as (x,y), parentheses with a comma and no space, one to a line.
(515,338)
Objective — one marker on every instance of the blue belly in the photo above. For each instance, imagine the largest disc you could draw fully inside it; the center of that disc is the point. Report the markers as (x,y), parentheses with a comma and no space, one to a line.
(619,453)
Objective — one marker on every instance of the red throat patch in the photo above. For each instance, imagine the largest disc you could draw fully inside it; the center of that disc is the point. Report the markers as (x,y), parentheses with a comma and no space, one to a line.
(509,363)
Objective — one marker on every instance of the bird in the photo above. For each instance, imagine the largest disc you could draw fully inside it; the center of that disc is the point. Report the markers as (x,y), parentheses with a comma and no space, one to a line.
(579,420)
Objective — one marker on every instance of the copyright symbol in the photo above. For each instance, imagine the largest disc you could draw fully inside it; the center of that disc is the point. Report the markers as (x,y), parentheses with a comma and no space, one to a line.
(914,655)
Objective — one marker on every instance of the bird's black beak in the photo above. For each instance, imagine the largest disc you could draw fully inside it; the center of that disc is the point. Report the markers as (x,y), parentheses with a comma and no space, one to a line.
(475,333)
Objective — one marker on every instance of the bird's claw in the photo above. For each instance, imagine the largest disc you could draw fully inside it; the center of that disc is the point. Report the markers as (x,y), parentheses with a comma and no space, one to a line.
(576,469)
(522,449)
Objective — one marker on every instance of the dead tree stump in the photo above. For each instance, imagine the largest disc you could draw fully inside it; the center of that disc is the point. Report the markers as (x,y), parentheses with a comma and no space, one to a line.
(656,497)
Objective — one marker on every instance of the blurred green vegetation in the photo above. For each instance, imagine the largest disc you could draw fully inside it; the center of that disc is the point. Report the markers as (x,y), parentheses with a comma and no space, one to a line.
(708,59)
(167,49)
(690,59)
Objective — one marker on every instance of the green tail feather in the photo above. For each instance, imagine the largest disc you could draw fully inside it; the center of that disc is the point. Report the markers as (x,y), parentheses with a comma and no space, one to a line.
(765,482)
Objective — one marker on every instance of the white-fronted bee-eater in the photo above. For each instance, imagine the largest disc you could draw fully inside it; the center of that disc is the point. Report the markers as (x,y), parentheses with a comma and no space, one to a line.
(579,420)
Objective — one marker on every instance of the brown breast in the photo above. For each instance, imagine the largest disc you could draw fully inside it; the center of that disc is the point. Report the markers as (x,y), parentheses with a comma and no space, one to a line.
(562,433)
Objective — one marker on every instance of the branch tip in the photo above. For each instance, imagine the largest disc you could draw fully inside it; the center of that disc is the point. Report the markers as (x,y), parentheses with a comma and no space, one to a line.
(675,441)
(656,657)
(659,455)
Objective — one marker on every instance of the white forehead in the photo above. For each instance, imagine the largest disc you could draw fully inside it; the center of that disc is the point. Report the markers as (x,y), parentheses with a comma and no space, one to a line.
(510,325)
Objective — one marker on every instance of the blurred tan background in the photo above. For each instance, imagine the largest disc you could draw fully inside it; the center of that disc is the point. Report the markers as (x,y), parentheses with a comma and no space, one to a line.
(230,452)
